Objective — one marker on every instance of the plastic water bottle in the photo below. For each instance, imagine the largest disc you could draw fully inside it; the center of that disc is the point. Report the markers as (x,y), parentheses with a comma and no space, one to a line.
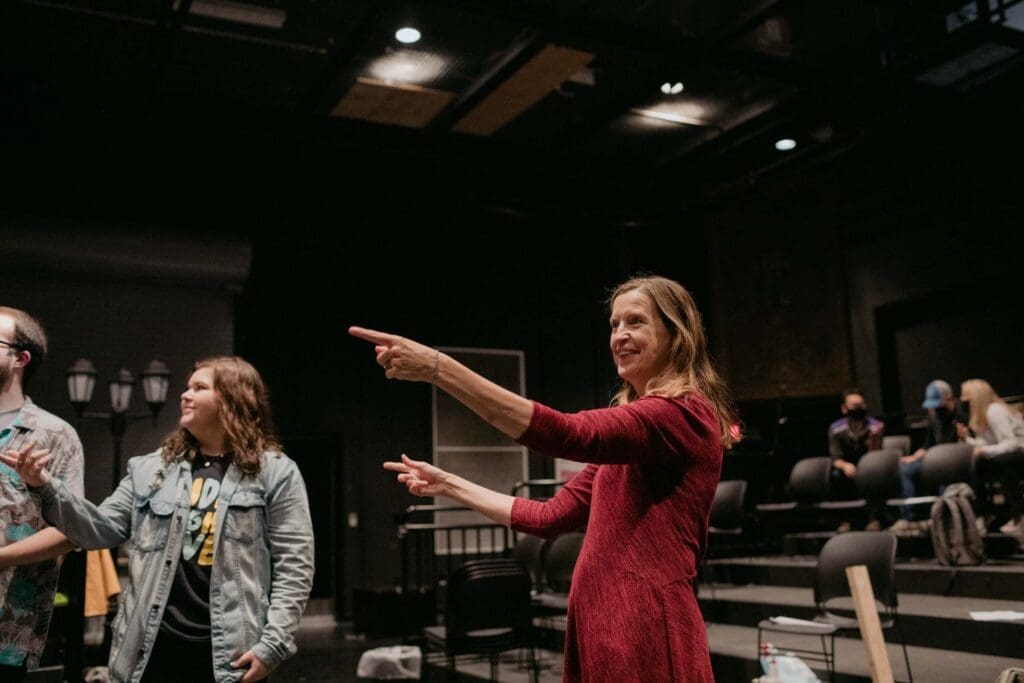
(768,654)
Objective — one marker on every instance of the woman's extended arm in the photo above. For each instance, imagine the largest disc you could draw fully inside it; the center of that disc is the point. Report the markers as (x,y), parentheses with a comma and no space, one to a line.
(567,510)
(423,479)
(408,360)
(651,429)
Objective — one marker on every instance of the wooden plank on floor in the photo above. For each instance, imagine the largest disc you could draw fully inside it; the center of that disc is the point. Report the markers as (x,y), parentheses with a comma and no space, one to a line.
(870,627)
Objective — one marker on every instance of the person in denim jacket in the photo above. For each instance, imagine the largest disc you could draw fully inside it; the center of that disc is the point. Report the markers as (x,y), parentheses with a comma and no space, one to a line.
(221,559)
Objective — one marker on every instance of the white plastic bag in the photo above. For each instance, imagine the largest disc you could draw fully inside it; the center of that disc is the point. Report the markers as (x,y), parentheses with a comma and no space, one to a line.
(396,662)
(790,669)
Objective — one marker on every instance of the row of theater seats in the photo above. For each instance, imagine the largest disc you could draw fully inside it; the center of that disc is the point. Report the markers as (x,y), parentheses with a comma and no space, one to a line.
(877,478)
(875,550)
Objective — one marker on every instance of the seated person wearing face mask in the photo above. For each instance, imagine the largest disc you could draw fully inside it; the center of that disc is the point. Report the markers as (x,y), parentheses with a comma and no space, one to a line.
(942,410)
(850,437)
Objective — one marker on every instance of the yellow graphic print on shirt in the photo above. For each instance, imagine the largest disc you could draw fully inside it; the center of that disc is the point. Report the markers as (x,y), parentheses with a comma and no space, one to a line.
(202,521)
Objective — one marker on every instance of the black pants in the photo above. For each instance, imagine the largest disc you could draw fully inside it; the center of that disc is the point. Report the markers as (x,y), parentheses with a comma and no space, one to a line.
(1008,469)
(842,487)
(174,660)
(14,674)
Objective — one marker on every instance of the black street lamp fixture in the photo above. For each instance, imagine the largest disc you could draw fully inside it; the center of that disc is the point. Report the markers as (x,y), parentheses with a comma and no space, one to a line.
(82,381)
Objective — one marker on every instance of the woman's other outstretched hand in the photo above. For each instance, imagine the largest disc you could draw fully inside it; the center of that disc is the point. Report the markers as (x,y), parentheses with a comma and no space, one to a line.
(401,358)
(421,478)
(29,463)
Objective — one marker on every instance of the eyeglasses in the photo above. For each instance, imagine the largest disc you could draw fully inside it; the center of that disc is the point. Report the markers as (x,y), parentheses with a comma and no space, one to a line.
(12,345)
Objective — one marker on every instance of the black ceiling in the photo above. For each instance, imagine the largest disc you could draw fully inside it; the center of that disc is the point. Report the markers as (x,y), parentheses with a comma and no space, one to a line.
(188,92)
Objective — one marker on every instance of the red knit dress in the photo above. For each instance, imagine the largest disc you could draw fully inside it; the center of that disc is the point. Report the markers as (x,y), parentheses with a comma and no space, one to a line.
(645,499)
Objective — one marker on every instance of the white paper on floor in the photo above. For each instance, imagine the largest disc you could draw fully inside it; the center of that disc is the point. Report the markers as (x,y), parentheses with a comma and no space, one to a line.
(997,615)
(790,621)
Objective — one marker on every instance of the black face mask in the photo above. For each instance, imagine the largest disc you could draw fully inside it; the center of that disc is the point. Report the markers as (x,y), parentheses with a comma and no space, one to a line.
(858,413)
(964,411)
(941,411)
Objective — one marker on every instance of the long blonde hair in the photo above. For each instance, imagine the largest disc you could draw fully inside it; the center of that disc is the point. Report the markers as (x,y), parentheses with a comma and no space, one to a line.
(244,415)
(690,367)
(982,396)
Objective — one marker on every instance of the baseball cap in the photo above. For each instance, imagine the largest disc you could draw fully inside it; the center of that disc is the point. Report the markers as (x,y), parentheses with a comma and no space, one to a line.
(935,392)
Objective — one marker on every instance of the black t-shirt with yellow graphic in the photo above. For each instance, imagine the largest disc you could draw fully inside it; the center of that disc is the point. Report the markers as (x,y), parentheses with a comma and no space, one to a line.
(187,616)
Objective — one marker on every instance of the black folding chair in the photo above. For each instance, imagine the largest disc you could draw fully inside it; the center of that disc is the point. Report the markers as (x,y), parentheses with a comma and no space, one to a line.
(487,612)
(877,551)
(726,519)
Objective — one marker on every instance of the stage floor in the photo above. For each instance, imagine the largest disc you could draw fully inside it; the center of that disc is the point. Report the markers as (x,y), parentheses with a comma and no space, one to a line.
(944,644)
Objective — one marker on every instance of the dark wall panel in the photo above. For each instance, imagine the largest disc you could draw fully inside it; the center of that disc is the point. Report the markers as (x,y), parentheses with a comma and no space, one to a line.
(779,299)
(121,315)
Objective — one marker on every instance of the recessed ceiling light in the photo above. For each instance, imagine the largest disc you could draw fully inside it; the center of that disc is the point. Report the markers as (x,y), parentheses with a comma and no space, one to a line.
(407,66)
(407,35)
(672,88)
(785,144)
(238,12)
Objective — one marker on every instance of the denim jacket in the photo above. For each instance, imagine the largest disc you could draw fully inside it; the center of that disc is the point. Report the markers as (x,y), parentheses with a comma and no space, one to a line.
(263,556)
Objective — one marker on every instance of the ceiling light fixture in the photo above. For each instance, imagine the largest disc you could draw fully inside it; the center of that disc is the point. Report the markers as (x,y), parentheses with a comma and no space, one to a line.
(407,66)
(407,35)
(672,117)
(785,144)
(672,88)
(237,12)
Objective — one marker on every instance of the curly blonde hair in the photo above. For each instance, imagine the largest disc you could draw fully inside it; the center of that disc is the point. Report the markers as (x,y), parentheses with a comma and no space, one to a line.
(244,404)
(691,367)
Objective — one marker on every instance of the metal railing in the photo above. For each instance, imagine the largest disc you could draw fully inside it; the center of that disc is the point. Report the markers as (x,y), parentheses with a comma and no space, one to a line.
(432,549)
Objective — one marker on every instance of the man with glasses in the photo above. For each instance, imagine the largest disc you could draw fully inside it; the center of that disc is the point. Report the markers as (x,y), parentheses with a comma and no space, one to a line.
(26,591)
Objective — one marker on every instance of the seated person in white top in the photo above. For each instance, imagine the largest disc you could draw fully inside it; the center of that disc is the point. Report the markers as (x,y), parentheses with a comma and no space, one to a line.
(997,433)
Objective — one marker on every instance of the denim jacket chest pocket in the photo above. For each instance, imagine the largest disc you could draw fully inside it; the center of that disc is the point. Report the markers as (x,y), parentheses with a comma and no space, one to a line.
(246,515)
(152,523)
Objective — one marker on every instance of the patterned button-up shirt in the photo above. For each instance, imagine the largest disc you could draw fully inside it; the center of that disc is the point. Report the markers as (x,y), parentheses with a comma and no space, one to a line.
(26,593)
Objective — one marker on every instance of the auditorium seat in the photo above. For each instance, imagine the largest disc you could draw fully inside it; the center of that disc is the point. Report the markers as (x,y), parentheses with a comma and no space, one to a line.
(943,464)
(528,550)
(808,485)
(899,442)
(726,520)
(878,474)
(559,558)
(727,508)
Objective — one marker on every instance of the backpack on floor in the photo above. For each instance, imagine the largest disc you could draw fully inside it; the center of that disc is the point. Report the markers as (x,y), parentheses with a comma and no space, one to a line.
(954,534)
(1011,675)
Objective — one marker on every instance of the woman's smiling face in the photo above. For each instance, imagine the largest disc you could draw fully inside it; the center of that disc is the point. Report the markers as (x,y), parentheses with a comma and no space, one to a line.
(640,342)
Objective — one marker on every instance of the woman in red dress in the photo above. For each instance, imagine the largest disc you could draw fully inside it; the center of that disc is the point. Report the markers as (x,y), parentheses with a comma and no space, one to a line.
(654,459)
